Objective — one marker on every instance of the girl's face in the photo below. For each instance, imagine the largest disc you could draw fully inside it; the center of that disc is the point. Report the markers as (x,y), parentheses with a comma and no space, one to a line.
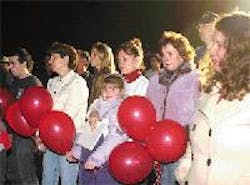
(111,91)
(217,49)
(171,58)
(127,63)
(95,59)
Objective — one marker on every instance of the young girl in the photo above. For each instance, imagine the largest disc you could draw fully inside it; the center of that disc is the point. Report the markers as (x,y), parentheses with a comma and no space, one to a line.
(102,117)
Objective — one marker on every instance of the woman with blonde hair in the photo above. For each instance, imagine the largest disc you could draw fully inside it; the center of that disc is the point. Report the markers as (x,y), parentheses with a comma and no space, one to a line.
(102,60)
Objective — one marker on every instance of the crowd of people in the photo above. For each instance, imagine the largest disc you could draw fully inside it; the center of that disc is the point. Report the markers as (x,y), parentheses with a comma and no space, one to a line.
(206,90)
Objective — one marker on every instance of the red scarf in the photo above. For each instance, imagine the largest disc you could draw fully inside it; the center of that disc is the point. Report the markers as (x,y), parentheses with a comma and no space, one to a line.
(132,76)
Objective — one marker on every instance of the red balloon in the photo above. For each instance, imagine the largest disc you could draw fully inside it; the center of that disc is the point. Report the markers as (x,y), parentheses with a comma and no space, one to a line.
(17,122)
(137,116)
(5,100)
(34,102)
(57,131)
(130,162)
(167,142)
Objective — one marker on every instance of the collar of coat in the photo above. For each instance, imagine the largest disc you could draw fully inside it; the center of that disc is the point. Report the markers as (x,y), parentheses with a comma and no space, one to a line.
(168,77)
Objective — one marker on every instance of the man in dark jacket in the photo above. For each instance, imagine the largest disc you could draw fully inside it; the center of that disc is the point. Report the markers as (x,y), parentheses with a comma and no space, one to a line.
(21,168)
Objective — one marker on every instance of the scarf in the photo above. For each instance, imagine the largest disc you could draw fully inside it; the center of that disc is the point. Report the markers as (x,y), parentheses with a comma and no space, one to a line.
(166,77)
(132,76)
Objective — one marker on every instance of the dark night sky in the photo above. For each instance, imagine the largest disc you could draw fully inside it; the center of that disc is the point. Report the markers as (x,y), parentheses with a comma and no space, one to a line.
(35,25)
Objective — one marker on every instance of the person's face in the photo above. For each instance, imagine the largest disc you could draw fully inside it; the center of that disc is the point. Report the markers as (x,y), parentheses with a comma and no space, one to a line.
(171,58)
(82,66)
(47,65)
(217,49)
(127,63)
(95,59)
(16,68)
(57,63)
(111,91)
(206,32)
(155,63)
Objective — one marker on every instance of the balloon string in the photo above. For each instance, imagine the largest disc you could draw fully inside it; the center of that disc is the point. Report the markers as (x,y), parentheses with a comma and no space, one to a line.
(158,172)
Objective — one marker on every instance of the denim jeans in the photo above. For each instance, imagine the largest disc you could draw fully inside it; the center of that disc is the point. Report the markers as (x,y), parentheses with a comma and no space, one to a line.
(168,175)
(55,166)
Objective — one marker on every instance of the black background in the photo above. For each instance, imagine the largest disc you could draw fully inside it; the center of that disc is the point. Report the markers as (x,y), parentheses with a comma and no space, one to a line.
(35,25)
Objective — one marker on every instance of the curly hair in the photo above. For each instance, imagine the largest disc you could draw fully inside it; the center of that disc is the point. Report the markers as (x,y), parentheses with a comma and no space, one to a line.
(180,43)
(233,77)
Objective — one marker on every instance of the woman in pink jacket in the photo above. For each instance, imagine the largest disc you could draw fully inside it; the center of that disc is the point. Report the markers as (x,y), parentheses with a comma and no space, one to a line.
(174,92)
(220,134)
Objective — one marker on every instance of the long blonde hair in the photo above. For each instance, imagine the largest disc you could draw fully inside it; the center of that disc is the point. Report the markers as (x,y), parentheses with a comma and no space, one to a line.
(106,56)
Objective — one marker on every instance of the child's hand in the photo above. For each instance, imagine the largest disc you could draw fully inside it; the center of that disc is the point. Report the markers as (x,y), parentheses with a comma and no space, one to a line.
(93,119)
(89,165)
(70,157)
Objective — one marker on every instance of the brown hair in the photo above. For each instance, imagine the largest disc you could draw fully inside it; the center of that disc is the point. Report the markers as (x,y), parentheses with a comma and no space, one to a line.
(63,50)
(23,56)
(133,47)
(180,43)
(234,75)
(208,17)
(114,79)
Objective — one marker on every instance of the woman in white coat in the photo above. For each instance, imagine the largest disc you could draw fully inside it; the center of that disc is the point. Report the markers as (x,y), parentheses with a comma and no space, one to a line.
(219,152)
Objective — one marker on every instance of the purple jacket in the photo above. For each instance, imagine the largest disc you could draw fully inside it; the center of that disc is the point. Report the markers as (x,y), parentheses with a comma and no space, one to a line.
(108,110)
(181,97)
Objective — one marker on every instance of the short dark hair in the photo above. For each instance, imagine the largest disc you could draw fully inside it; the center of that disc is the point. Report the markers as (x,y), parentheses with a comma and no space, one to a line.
(208,17)
(83,54)
(63,50)
(23,56)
